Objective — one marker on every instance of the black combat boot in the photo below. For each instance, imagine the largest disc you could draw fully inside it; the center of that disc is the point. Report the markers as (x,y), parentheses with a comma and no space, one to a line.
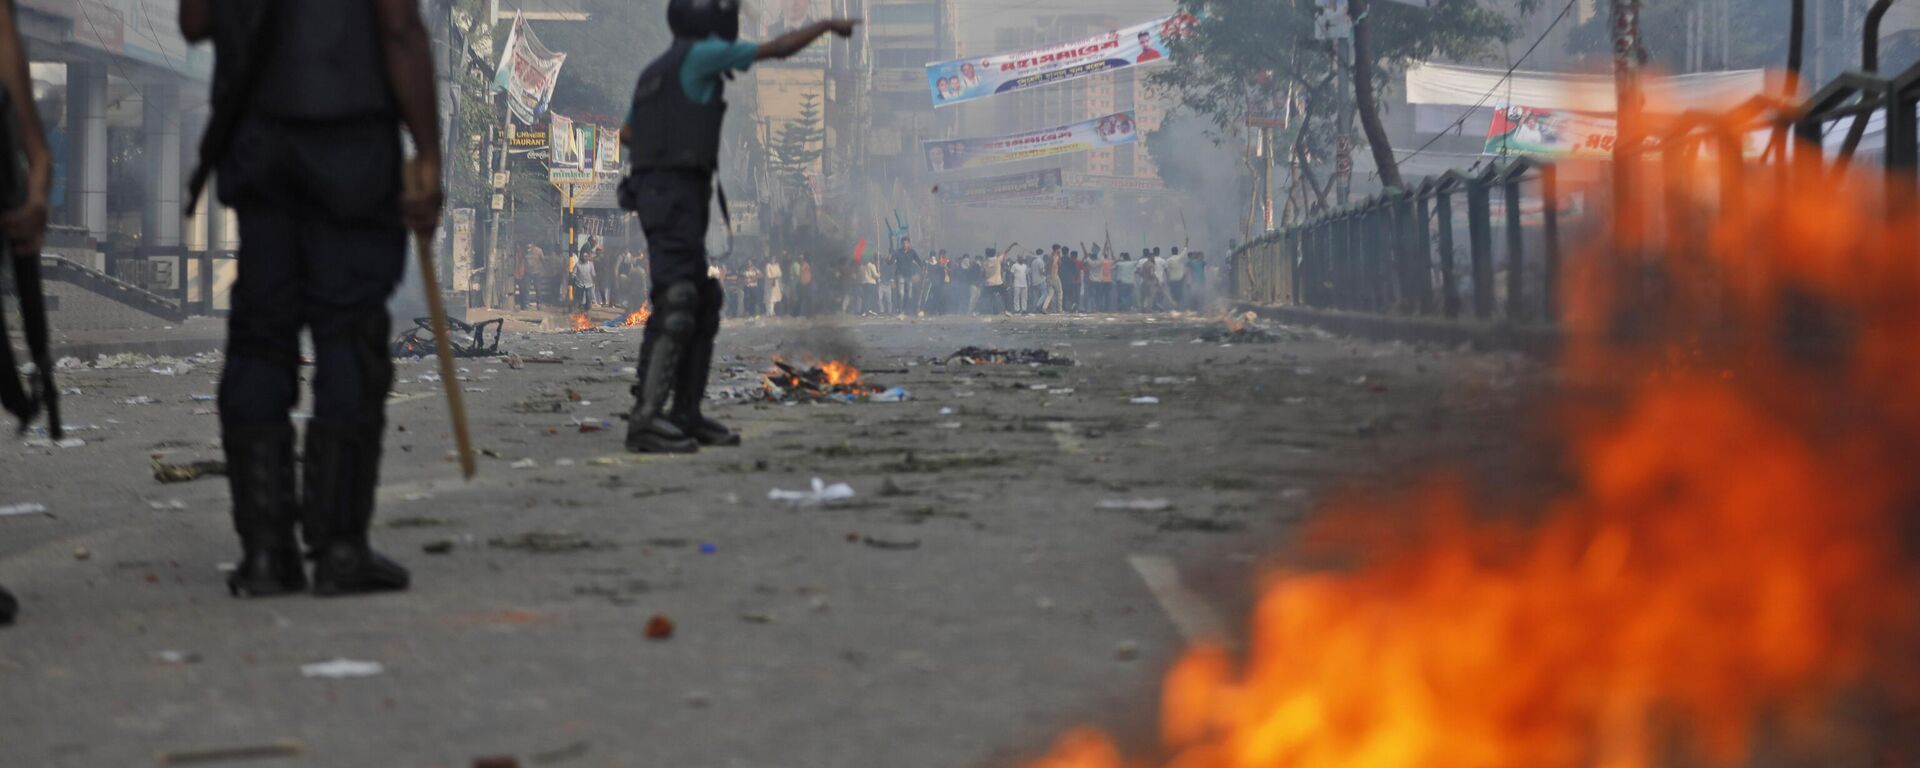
(260,474)
(342,472)
(648,429)
(691,389)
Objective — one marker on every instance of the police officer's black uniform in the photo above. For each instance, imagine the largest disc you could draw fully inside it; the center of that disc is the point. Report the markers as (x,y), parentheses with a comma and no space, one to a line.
(313,173)
(675,149)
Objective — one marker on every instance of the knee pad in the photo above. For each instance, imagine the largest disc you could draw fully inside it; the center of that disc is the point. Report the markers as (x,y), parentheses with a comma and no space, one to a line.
(679,308)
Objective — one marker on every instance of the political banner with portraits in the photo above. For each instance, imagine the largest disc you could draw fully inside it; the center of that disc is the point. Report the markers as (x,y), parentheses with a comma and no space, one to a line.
(961,80)
(1113,130)
(1518,130)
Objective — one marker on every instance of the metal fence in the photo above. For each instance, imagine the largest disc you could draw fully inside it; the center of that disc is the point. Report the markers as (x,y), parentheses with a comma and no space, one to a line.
(1464,244)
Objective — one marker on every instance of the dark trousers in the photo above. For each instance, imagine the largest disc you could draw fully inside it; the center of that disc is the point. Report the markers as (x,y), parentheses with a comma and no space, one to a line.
(321,248)
(673,210)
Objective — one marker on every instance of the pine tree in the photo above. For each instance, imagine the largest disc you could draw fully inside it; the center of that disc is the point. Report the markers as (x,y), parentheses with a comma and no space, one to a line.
(801,140)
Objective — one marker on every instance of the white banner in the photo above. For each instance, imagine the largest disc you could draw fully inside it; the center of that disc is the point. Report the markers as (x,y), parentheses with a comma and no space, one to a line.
(528,72)
(1099,133)
(952,82)
(606,152)
(568,150)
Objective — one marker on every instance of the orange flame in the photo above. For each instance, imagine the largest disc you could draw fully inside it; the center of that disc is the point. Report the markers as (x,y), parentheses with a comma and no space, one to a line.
(839,373)
(1722,569)
(639,316)
(582,323)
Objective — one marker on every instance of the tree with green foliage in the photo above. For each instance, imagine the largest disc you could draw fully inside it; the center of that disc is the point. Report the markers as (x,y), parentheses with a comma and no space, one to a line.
(1756,31)
(1245,56)
(800,143)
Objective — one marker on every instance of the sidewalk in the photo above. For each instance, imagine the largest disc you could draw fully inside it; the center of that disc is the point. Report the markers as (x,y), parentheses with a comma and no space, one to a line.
(195,335)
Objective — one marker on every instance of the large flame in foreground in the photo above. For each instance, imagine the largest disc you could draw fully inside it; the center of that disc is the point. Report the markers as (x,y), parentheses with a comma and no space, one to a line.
(1722,580)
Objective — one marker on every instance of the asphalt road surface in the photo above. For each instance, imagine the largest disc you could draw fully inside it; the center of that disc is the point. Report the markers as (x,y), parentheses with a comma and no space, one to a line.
(1026,549)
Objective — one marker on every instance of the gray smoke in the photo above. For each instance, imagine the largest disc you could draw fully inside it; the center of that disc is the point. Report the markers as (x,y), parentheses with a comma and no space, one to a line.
(1208,175)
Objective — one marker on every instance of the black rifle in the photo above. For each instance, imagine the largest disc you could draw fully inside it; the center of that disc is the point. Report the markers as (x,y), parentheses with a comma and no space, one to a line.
(23,399)
(232,89)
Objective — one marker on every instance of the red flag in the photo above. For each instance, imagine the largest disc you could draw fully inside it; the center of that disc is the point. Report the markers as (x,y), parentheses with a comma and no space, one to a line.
(859,249)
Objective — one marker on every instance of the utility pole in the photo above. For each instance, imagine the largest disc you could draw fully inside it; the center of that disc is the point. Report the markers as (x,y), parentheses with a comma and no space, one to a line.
(1628,58)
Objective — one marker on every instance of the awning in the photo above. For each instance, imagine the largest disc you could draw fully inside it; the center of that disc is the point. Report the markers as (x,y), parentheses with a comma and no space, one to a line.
(1451,84)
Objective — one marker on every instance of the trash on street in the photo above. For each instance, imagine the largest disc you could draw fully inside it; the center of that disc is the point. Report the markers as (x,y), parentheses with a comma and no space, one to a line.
(181,473)
(1137,505)
(28,508)
(996,356)
(821,493)
(341,668)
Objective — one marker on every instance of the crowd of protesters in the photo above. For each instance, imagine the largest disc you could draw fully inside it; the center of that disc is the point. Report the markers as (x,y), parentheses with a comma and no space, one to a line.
(899,282)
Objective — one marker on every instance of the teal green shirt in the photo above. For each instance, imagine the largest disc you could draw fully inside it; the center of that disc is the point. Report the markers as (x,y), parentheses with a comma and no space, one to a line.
(710,59)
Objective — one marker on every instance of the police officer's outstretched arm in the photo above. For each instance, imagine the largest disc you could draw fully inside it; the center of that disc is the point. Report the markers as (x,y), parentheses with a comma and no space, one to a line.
(26,225)
(403,37)
(793,42)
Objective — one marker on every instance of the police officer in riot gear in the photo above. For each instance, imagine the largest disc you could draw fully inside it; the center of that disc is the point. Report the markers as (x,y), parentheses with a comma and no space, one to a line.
(309,99)
(673,136)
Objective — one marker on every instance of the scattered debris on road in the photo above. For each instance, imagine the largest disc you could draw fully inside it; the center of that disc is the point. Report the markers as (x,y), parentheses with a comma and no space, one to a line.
(659,627)
(342,668)
(182,473)
(28,508)
(244,754)
(996,356)
(821,493)
(1137,505)
(548,542)
(890,545)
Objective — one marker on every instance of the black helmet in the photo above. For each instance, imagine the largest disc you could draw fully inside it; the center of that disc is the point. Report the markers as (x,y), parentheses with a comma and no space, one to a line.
(701,18)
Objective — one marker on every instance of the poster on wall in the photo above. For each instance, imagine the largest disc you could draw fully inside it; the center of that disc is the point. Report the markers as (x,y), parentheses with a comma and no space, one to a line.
(567,151)
(1099,133)
(528,74)
(1518,130)
(606,153)
(962,80)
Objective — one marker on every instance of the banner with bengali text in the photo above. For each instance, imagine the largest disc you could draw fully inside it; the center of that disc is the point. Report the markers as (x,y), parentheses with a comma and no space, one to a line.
(961,80)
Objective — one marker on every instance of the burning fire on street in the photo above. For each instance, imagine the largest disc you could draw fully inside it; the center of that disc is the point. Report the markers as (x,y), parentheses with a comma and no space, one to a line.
(814,382)
(581,322)
(1721,580)
(638,317)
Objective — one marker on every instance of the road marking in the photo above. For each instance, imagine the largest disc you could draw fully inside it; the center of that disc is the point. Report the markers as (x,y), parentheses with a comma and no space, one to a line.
(1196,619)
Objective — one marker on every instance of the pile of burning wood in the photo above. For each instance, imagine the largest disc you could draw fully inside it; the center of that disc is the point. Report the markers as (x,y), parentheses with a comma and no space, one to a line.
(813,382)
(995,356)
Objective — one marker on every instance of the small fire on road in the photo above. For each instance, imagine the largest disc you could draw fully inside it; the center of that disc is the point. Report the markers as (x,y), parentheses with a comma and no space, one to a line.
(581,322)
(813,382)
(1720,575)
(639,316)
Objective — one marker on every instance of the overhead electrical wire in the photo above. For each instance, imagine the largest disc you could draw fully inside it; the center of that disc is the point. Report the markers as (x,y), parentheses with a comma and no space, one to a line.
(1462,119)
